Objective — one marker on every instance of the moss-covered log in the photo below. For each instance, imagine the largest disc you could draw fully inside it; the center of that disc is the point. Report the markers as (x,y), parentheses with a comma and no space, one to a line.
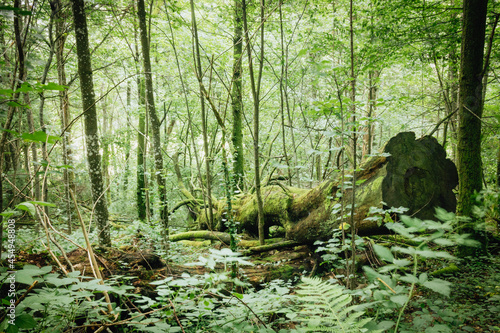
(408,173)
(203,234)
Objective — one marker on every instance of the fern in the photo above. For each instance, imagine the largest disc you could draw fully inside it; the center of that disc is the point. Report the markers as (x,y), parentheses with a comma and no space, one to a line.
(326,308)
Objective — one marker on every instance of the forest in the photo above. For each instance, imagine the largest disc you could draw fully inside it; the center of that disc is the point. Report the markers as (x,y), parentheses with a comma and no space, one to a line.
(249,166)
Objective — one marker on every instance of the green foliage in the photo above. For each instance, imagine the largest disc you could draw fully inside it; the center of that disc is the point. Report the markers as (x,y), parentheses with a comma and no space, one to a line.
(401,274)
(331,251)
(326,308)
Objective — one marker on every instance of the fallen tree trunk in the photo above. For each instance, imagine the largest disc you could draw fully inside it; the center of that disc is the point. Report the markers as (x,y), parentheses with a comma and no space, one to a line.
(409,173)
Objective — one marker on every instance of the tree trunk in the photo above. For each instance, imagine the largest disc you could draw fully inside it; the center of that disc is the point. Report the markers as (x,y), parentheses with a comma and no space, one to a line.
(105,149)
(141,193)
(199,74)
(498,166)
(90,118)
(237,99)
(417,175)
(255,87)
(470,111)
(126,173)
(69,176)
(153,117)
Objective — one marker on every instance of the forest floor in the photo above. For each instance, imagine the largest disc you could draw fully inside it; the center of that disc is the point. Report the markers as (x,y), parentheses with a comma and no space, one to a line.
(473,305)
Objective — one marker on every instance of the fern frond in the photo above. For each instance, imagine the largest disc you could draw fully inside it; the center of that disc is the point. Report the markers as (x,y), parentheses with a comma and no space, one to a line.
(326,308)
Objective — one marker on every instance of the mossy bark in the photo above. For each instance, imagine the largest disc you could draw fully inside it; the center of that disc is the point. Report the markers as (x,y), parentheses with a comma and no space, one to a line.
(153,118)
(90,119)
(411,173)
(237,98)
(141,192)
(470,113)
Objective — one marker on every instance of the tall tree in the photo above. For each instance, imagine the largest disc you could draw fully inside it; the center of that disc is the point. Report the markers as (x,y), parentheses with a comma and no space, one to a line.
(90,119)
(237,98)
(470,107)
(141,192)
(255,84)
(153,117)
(199,75)
(61,13)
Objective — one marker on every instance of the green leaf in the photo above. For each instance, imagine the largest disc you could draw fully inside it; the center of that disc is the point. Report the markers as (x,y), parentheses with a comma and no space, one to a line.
(399,299)
(385,325)
(409,278)
(25,321)
(439,286)
(443,242)
(29,271)
(12,329)
(412,222)
(401,262)
(53,86)
(240,296)
(302,52)
(6,92)
(383,253)
(409,250)
(438,328)
(8,213)
(40,136)
(43,203)
(10,131)
(27,206)
(25,87)
(400,229)
(361,181)
(18,105)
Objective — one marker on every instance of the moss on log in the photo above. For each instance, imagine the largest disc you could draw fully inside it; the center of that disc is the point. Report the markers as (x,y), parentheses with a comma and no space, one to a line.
(203,234)
(269,247)
(408,173)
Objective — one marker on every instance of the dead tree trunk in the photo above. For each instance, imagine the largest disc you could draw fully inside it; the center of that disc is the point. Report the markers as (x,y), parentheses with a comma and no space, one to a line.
(409,173)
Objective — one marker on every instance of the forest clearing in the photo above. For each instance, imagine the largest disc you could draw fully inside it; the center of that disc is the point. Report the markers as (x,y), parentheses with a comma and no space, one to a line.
(249,166)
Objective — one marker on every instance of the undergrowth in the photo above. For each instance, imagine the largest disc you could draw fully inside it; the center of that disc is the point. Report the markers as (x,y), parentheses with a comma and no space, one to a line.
(419,287)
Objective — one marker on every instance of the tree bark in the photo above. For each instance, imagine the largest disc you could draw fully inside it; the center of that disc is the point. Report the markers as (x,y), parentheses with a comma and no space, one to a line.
(105,132)
(255,87)
(69,176)
(199,74)
(90,119)
(126,173)
(237,99)
(471,104)
(153,117)
(470,112)
(141,193)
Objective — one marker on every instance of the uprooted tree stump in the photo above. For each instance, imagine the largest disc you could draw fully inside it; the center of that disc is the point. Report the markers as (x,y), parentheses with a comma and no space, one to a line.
(408,173)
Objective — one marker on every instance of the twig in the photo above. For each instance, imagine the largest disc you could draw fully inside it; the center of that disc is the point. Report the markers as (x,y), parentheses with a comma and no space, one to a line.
(385,284)
(175,315)
(92,258)
(256,316)
(21,298)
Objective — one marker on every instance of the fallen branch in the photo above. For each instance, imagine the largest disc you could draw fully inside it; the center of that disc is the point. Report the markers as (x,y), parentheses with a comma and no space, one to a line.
(203,234)
(269,247)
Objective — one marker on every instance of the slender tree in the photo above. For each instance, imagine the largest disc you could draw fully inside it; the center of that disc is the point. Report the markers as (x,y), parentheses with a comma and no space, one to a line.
(199,75)
(237,98)
(126,173)
(61,36)
(255,87)
(352,280)
(90,120)
(105,133)
(141,193)
(470,108)
(153,117)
